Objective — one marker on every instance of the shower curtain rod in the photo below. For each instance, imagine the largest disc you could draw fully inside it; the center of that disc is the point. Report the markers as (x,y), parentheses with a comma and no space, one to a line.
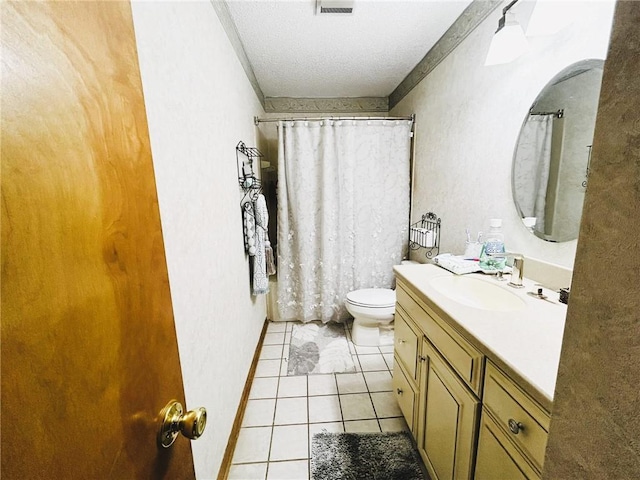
(257,120)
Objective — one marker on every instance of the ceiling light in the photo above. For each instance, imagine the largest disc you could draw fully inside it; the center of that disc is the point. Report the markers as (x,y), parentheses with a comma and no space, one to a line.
(509,41)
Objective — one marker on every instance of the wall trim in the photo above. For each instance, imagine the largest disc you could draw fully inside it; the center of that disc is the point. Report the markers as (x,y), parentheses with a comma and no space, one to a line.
(222,10)
(466,23)
(225,466)
(325,105)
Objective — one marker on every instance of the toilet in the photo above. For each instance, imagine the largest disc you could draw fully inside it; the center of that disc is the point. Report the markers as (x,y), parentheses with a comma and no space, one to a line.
(372,309)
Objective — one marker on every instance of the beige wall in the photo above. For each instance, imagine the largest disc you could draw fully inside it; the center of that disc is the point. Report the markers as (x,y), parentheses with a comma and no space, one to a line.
(596,419)
(468,118)
(199,105)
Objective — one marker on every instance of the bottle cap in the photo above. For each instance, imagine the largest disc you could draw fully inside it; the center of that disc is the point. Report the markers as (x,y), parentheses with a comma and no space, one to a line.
(495,223)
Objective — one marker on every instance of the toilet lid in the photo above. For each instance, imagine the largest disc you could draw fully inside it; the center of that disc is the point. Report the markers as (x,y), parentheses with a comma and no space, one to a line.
(372,297)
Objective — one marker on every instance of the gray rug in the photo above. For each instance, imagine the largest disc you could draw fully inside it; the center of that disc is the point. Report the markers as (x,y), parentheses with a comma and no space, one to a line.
(319,348)
(364,456)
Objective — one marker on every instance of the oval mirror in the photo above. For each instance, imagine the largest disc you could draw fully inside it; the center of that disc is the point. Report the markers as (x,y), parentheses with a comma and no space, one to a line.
(551,158)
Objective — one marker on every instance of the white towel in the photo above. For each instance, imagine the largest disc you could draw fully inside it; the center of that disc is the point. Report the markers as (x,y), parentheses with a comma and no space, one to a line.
(260,279)
(249,228)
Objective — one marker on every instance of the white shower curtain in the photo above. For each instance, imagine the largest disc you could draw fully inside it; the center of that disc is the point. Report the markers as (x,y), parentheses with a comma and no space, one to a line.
(343,212)
(532,173)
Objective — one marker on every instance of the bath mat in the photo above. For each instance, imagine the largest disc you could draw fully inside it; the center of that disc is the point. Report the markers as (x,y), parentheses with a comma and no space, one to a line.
(319,348)
(371,456)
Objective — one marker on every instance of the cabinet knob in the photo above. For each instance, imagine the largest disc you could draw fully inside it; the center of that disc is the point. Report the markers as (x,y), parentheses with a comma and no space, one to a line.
(422,359)
(515,427)
(401,341)
(400,391)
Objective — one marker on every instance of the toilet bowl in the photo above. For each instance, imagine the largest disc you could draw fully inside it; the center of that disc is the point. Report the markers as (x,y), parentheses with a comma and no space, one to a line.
(372,309)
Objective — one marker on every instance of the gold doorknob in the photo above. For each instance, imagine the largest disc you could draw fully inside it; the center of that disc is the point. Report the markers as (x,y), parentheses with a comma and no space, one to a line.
(174,421)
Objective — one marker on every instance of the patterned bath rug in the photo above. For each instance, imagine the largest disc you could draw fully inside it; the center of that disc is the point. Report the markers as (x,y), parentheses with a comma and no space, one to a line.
(371,456)
(319,348)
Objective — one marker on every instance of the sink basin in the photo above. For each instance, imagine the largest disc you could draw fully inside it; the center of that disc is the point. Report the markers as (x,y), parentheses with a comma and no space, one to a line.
(477,293)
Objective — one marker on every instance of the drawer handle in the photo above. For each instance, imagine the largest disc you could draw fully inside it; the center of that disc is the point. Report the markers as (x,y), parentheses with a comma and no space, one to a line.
(399,390)
(401,341)
(515,427)
(422,359)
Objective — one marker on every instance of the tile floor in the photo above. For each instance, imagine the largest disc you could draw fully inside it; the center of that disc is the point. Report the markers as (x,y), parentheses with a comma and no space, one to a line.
(283,412)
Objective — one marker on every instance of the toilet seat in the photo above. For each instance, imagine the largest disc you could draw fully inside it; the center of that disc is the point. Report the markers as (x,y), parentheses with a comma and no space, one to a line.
(372,298)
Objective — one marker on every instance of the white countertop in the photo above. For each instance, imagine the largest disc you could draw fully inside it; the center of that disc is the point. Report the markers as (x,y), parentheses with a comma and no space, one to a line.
(527,341)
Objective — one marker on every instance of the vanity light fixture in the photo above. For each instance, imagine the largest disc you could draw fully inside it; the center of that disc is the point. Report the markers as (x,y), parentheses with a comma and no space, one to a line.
(509,41)
(549,17)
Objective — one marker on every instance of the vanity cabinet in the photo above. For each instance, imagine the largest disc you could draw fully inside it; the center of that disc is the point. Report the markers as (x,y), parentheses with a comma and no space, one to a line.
(513,432)
(444,372)
(468,418)
(447,419)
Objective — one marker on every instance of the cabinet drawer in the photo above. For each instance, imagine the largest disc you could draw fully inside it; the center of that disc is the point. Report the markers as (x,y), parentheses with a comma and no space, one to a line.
(404,393)
(465,359)
(497,457)
(510,405)
(406,344)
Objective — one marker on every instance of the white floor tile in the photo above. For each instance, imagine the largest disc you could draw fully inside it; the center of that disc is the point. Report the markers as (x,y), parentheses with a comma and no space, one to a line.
(378,381)
(268,368)
(253,445)
(322,385)
(274,327)
(259,413)
(397,424)
(362,350)
(296,470)
(248,471)
(264,387)
(372,362)
(271,352)
(331,427)
(289,442)
(356,406)
(284,367)
(362,426)
(275,338)
(324,409)
(295,386)
(386,404)
(388,358)
(291,410)
(351,383)
(386,348)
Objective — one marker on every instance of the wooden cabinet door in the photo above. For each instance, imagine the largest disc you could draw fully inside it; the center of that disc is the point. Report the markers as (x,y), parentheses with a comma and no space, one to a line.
(497,458)
(447,419)
(89,351)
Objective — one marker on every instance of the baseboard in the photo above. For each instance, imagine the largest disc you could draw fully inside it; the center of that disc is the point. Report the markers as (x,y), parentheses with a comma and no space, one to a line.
(223,473)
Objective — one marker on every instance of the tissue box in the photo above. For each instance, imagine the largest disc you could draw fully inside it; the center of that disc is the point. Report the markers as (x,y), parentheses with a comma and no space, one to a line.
(422,236)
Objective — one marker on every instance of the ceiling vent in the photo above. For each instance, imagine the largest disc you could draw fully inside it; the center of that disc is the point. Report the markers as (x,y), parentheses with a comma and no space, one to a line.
(341,7)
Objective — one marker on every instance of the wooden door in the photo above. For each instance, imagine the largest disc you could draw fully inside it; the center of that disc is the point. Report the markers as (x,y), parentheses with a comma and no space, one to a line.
(447,419)
(89,352)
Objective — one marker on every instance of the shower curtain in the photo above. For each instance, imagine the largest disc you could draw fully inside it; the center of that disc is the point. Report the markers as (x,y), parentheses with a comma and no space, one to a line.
(343,212)
(533,159)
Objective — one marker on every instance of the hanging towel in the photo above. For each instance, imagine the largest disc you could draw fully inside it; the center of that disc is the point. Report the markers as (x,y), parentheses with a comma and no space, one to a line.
(260,279)
(249,229)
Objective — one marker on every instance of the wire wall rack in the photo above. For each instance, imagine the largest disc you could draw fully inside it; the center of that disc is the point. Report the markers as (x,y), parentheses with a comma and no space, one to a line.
(425,233)
(250,184)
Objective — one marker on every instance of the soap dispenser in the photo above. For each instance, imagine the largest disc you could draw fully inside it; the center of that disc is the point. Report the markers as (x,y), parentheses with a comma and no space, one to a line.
(493,244)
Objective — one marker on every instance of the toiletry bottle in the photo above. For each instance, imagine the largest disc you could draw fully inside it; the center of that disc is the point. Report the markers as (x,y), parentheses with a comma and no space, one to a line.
(494,243)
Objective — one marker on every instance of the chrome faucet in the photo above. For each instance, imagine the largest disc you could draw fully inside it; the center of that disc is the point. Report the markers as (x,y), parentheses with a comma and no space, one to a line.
(517,269)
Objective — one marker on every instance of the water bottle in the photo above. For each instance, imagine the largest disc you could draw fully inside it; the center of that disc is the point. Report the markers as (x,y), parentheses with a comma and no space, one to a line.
(493,244)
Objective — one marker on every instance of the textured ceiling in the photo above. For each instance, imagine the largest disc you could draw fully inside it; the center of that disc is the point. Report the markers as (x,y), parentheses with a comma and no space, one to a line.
(296,53)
